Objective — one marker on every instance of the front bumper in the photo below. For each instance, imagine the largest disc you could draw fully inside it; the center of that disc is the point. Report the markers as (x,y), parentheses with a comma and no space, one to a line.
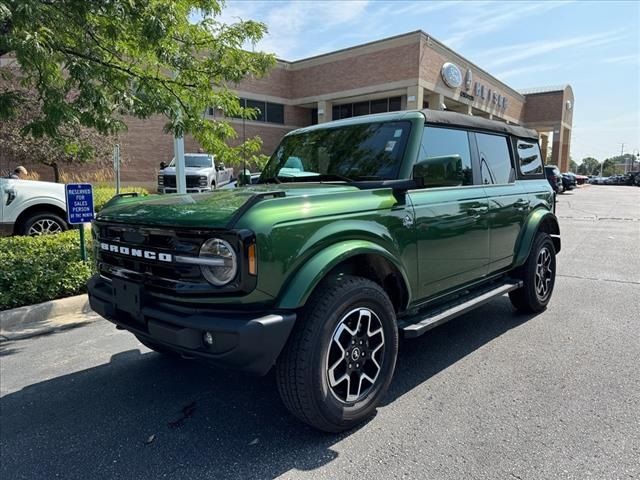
(189,189)
(245,341)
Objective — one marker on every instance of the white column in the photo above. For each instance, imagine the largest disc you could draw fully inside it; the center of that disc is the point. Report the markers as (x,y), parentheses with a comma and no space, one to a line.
(415,96)
(325,110)
(436,101)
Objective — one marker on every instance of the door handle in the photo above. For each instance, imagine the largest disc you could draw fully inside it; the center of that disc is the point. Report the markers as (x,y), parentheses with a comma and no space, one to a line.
(477,210)
(521,204)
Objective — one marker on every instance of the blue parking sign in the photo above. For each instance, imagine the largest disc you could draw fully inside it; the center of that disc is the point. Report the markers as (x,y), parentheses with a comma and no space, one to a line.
(79,203)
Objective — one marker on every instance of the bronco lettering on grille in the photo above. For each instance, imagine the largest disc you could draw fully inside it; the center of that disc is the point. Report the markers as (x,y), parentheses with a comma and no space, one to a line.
(136,252)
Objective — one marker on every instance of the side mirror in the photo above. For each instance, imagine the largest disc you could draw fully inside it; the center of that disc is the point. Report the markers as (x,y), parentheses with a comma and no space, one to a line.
(445,171)
(163,165)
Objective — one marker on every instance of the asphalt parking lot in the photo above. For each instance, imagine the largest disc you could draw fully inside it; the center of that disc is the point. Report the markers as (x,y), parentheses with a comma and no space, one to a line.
(491,395)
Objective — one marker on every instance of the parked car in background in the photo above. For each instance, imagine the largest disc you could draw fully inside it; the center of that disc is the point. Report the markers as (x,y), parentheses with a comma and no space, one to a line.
(633,178)
(554,177)
(581,179)
(29,207)
(569,181)
(204,173)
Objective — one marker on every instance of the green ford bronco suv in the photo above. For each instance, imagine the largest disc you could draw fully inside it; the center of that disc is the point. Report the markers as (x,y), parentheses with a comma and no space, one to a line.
(359,231)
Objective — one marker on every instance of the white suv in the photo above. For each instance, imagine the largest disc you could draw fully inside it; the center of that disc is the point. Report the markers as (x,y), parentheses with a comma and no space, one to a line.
(29,207)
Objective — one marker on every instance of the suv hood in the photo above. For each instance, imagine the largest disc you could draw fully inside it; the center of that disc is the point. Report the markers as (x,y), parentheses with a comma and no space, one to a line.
(217,209)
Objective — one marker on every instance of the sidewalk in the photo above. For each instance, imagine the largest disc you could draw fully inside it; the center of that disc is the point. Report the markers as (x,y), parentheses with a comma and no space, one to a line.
(44,318)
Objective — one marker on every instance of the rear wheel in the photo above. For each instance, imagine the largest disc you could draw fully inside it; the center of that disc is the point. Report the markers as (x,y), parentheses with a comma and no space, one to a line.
(43,224)
(539,276)
(341,355)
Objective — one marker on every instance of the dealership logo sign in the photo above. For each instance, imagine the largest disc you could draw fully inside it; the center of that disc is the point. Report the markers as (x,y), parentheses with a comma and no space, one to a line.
(136,252)
(451,75)
(468,79)
(491,96)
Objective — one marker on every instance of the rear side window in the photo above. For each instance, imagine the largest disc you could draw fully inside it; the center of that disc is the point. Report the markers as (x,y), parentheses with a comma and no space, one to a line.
(495,161)
(439,148)
(529,158)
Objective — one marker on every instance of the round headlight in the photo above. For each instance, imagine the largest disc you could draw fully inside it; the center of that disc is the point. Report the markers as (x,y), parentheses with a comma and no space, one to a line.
(219,251)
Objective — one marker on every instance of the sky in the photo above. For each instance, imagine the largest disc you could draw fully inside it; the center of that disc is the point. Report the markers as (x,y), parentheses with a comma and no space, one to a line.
(593,46)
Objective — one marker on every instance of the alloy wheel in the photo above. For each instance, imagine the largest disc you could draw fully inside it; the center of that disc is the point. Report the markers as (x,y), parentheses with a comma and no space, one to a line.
(355,353)
(44,226)
(544,273)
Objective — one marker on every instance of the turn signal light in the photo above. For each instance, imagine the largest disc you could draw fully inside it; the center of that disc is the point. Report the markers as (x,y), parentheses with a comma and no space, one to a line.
(253,263)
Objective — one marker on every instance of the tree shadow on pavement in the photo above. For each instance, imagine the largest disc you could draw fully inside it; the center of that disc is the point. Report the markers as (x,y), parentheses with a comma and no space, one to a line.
(147,416)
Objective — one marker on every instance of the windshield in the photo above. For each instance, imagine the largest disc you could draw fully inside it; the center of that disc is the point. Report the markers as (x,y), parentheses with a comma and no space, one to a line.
(195,161)
(371,151)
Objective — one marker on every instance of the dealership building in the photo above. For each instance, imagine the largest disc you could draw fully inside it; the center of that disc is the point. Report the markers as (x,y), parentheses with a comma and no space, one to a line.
(409,71)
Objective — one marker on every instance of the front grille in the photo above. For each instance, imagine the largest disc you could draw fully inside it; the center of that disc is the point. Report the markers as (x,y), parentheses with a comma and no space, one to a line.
(171,276)
(193,181)
(168,277)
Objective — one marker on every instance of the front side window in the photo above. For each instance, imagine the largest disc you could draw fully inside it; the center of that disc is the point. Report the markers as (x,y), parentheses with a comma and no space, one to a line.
(446,156)
(369,151)
(495,161)
(529,157)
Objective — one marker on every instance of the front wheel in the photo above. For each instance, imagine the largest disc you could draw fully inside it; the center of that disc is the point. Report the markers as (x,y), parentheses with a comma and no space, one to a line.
(538,275)
(341,355)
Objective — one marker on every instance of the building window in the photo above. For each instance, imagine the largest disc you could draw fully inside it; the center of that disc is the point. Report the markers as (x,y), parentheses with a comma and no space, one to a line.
(381,105)
(275,113)
(529,157)
(259,108)
(265,111)
(395,104)
(360,108)
(495,160)
(447,155)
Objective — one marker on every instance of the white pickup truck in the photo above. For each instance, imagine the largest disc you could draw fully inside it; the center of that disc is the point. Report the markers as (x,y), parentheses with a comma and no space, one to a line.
(29,207)
(204,173)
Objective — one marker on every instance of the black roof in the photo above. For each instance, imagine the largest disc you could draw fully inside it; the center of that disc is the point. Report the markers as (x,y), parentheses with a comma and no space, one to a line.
(477,123)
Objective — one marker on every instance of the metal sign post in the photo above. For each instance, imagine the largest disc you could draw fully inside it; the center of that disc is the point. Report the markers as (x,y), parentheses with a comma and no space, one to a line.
(79,198)
(116,166)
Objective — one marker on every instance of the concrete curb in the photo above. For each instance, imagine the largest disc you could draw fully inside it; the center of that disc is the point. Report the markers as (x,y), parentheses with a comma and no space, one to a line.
(47,317)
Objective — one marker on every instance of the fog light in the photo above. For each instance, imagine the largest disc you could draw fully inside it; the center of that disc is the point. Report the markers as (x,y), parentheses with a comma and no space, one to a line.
(207,338)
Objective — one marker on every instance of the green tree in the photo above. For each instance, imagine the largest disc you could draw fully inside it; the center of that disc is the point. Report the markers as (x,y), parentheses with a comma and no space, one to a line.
(589,166)
(573,166)
(616,165)
(22,147)
(90,62)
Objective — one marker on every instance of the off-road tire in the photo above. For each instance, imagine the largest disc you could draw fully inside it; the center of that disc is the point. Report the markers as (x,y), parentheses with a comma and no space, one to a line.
(44,219)
(302,371)
(528,297)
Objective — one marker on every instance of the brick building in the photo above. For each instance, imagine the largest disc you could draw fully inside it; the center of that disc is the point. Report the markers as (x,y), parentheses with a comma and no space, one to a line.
(409,71)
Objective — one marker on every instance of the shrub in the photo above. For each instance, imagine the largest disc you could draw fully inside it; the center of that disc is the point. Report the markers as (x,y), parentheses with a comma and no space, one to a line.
(103,193)
(38,269)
